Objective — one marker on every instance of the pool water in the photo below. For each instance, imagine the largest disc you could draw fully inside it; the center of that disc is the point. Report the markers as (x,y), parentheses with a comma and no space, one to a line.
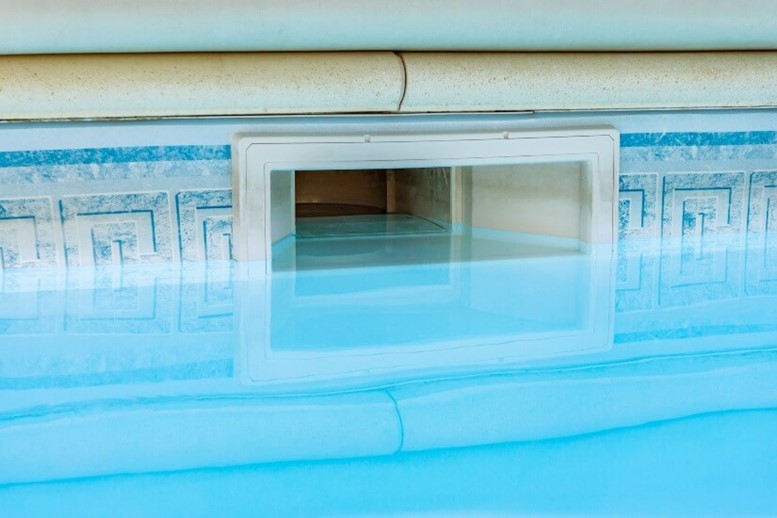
(710,465)
(432,374)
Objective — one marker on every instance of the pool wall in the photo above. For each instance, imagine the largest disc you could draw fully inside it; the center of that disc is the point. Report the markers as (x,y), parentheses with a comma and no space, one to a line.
(162,189)
(84,194)
(112,160)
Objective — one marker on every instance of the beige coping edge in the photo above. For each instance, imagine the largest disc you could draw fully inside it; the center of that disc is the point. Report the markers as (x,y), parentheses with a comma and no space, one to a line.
(440,82)
(105,86)
(171,85)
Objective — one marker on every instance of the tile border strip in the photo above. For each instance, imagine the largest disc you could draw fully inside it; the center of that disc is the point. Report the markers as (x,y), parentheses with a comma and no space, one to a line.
(116,155)
(113,155)
(679,139)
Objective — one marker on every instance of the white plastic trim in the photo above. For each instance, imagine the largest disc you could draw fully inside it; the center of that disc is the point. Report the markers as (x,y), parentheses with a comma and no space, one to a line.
(255,157)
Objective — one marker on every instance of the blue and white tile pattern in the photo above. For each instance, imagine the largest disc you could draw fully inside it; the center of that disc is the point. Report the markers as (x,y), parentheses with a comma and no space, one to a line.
(672,185)
(26,233)
(205,224)
(712,190)
(117,229)
(115,206)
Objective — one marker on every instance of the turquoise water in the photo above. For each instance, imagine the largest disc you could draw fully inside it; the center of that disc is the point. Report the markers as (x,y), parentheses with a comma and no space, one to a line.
(432,375)
(711,465)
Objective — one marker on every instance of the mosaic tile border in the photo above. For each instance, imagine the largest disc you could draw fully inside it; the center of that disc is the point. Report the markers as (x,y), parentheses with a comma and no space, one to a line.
(26,233)
(205,224)
(198,220)
(115,155)
(693,139)
(97,214)
(116,228)
(713,193)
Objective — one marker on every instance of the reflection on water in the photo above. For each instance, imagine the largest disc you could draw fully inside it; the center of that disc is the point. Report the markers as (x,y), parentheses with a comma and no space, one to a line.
(358,308)
(352,351)
(445,306)
(357,322)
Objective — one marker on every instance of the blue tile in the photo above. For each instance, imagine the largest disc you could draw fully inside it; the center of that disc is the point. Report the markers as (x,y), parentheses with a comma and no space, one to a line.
(205,224)
(701,211)
(26,233)
(670,154)
(132,171)
(698,205)
(131,227)
(762,233)
(692,139)
(117,229)
(112,155)
(637,206)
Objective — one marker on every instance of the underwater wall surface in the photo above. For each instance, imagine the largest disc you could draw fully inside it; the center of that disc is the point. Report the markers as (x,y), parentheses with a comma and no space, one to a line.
(116,302)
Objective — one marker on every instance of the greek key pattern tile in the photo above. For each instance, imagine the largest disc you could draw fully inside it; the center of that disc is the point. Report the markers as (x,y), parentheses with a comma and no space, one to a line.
(698,210)
(26,233)
(109,206)
(762,233)
(205,224)
(117,229)
(637,206)
(92,212)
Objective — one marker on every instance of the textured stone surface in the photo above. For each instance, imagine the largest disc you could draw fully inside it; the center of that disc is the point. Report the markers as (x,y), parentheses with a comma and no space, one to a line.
(156,85)
(438,82)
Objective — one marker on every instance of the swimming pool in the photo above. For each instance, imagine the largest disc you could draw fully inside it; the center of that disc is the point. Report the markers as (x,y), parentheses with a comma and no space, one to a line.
(509,380)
